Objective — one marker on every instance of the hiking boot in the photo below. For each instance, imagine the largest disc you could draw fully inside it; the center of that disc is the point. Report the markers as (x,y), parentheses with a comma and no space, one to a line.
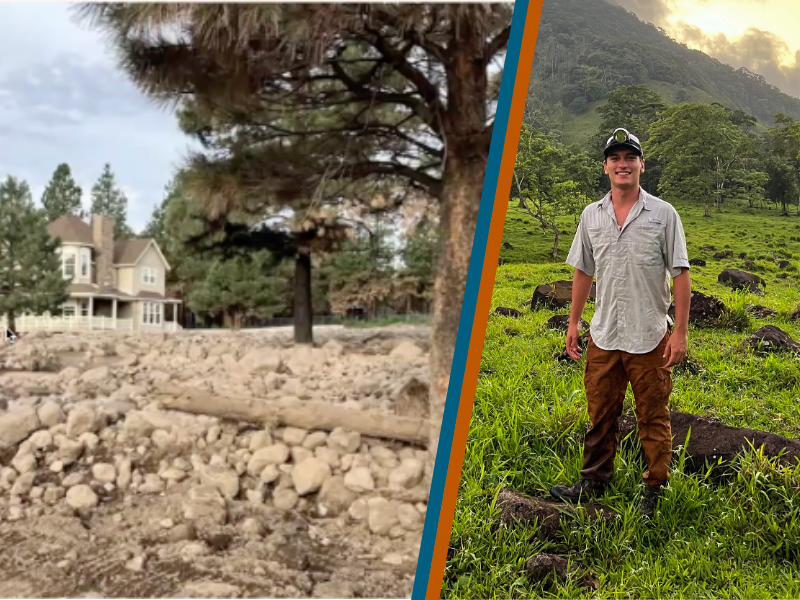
(583,490)
(651,496)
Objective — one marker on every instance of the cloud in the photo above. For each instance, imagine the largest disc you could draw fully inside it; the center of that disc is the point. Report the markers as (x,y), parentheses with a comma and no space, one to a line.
(761,52)
(650,11)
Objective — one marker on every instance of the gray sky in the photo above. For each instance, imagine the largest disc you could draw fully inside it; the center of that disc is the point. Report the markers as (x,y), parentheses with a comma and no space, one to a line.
(63,100)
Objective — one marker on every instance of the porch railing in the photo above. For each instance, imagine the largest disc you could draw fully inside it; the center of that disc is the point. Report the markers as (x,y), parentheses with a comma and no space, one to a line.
(77,323)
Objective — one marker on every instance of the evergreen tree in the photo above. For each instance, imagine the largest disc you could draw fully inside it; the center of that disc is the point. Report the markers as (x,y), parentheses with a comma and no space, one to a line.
(109,201)
(62,196)
(31,279)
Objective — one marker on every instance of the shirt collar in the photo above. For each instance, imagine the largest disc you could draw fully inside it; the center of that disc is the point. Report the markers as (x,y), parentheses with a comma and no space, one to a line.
(642,198)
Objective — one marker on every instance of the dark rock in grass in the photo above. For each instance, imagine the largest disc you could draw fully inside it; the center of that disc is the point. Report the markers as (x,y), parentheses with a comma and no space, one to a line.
(711,440)
(508,312)
(762,312)
(702,310)
(783,275)
(783,264)
(562,322)
(749,264)
(583,341)
(795,316)
(544,567)
(517,508)
(743,255)
(709,248)
(772,339)
(697,262)
(719,255)
(724,254)
(507,246)
(555,295)
(739,280)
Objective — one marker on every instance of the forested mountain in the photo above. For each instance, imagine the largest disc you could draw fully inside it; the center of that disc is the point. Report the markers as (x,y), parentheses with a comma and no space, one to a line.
(586,48)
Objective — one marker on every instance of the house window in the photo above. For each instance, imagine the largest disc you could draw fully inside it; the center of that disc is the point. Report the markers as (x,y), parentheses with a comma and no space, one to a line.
(148,275)
(84,264)
(151,313)
(84,308)
(68,310)
(69,266)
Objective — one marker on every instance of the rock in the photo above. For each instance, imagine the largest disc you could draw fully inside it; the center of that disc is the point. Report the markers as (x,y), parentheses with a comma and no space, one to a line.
(315,440)
(124,474)
(69,450)
(40,439)
(23,484)
(270,473)
(762,312)
(222,478)
(740,280)
(413,399)
(545,567)
(173,474)
(135,564)
(697,262)
(783,264)
(334,497)
(252,526)
(50,414)
(508,312)
(82,419)
(407,475)
(409,517)
(16,425)
(259,440)
(406,351)
(333,589)
(261,362)
(702,310)
(708,248)
(208,589)
(204,502)
(182,532)
(81,497)
(516,508)
(359,480)
(24,462)
(285,499)
(73,479)
(382,515)
(137,425)
(772,339)
(561,322)
(556,295)
(53,494)
(152,484)
(96,375)
(193,550)
(309,475)
(795,316)
(104,472)
(294,436)
(277,454)
(345,442)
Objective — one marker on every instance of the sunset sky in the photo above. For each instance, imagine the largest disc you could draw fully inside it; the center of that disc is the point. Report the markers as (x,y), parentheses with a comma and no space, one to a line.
(761,35)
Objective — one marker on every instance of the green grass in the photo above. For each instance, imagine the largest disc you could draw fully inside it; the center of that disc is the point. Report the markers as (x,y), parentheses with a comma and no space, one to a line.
(739,540)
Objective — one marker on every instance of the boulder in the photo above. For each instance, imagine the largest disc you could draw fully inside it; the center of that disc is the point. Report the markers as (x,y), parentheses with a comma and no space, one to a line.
(561,322)
(556,295)
(770,339)
(17,425)
(508,312)
(697,262)
(741,280)
(703,310)
(545,567)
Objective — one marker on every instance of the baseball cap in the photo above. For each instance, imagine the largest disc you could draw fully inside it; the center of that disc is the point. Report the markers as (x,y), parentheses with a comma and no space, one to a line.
(622,138)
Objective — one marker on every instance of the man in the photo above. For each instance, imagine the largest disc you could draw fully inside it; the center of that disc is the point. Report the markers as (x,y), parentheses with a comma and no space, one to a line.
(634,243)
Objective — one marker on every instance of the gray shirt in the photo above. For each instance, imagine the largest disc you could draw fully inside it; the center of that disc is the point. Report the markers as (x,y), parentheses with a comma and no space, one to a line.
(633,265)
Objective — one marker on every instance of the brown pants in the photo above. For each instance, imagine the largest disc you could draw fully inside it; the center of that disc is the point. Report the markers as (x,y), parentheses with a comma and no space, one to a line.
(606,380)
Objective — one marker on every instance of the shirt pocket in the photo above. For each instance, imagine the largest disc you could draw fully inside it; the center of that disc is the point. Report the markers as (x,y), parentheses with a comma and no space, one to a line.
(645,245)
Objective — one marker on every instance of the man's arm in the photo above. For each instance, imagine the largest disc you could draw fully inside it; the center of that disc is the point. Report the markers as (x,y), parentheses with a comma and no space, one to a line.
(678,344)
(581,287)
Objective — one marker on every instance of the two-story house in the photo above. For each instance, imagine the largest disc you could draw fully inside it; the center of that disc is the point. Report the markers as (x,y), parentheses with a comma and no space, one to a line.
(114,284)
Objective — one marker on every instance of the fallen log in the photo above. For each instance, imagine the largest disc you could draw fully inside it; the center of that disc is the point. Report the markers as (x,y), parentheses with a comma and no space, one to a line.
(305,415)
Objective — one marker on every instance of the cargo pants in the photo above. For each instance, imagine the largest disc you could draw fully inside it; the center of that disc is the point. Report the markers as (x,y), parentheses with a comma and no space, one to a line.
(606,380)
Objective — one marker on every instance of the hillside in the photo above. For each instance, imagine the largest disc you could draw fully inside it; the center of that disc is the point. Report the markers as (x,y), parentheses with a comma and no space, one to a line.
(586,48)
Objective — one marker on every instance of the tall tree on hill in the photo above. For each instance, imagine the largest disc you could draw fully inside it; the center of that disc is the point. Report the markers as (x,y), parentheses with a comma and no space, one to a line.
(31,279)
(110,201)
(406,82)
(62,196)
(701,147)
(786,144)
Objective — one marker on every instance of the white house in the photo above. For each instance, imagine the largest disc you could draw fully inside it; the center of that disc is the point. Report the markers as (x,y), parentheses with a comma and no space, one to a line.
(114,284)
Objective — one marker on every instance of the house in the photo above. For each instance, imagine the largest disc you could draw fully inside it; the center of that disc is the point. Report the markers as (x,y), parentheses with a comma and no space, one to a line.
(114,284)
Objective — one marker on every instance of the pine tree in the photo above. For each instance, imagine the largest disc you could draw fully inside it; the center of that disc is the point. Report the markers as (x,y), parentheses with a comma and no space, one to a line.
(62,196)
(31,278)
(109,201)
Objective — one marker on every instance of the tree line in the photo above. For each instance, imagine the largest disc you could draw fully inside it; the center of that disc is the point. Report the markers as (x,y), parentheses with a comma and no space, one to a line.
(695,153)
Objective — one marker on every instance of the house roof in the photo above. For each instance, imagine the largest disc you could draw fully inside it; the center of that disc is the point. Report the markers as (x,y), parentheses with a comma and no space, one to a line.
(87,289)
(127,252)
(72,230)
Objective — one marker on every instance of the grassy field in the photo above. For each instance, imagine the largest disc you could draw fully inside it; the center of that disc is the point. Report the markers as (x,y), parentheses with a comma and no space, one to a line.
(740,540)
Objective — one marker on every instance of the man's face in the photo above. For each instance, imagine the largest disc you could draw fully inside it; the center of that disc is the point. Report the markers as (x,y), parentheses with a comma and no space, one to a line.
(623,168)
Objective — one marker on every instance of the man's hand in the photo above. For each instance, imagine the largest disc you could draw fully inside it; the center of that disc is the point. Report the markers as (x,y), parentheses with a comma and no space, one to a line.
(676,349)
(572,342)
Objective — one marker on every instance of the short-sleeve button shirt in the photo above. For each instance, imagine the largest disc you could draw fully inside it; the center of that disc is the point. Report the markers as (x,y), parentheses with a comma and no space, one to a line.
(633,265)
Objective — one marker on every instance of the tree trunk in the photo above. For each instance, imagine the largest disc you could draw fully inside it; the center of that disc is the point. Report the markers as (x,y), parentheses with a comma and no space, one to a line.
(555,244)
(303,315)
(11,321)
(305,415)
(706,212)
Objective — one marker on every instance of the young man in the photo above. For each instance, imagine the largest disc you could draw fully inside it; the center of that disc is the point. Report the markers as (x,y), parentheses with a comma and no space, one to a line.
(634,243)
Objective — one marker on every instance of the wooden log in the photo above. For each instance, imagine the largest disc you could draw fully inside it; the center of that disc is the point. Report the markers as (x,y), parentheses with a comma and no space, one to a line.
(305,415)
